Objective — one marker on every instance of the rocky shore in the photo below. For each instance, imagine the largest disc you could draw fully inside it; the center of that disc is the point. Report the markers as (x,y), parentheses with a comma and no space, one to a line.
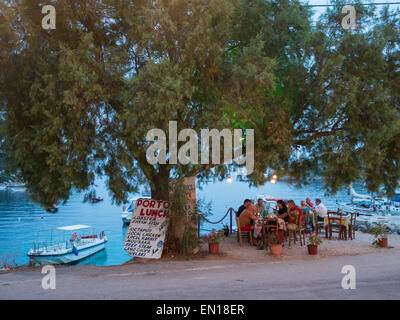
(364,223)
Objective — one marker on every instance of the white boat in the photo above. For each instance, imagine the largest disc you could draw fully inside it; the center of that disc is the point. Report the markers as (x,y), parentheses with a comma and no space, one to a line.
(127,212)
(15,187)
(80,243)
(366,204)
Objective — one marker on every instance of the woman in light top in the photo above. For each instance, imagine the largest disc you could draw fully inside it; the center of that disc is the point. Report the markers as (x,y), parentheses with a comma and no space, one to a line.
(309,218)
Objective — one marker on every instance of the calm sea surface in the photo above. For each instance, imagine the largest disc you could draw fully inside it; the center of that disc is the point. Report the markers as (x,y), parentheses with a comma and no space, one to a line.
(21,219)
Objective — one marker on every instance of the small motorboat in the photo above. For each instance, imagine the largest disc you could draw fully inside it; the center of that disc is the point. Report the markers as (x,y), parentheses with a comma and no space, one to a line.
(95,200)
(52,209)
(127,212)
(16,187)
(78,242)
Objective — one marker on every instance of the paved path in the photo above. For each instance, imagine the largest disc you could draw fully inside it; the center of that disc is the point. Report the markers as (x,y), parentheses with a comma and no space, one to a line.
(377,277)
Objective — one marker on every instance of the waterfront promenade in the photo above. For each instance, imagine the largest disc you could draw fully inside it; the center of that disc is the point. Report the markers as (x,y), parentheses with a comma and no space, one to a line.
(248,274)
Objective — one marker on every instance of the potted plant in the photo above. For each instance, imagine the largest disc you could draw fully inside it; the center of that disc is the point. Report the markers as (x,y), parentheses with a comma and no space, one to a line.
(380,231)
(313,242)
(213,240)
(275,241)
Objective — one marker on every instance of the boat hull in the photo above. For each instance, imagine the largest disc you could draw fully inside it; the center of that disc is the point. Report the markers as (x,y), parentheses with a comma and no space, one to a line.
(126,217)
(126,220)
(68,258)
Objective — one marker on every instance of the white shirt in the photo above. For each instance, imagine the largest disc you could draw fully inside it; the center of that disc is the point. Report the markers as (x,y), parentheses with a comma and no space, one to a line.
(321,210)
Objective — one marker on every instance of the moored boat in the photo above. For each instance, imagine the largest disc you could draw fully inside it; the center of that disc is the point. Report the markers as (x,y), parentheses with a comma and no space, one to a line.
(128,211)
(80,243)
(370,205)
(52,209)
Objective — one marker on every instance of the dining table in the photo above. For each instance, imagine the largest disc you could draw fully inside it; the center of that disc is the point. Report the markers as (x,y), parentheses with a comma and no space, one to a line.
(259,224)
(343,220)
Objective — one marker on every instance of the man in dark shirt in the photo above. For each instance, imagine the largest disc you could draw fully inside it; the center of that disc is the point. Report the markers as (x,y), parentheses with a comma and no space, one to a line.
(242,207)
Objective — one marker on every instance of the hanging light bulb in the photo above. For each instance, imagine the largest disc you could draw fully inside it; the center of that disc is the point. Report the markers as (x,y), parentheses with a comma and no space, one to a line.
(229,180)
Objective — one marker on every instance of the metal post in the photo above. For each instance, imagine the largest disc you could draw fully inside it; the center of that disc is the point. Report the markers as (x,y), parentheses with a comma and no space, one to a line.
(230,227)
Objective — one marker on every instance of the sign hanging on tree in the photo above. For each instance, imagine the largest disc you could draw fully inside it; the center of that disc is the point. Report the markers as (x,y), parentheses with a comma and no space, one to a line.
(146,234)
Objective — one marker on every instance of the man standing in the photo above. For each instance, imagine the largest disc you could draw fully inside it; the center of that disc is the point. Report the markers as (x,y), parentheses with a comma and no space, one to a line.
(320,210)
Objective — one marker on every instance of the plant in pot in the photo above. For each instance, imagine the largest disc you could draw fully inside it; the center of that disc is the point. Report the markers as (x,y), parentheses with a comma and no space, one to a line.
(275,240)
(313,242)
(214,238)
(380,231)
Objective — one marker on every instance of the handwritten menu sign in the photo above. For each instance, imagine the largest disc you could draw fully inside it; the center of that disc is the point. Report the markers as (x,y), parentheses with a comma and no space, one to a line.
(190,195)
(146,234)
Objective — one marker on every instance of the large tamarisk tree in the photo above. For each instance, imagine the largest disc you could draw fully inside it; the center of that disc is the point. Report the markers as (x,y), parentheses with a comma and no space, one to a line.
(78,101)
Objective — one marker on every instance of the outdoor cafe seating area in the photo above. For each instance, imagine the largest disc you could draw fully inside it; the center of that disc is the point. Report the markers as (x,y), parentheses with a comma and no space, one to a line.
(293,222)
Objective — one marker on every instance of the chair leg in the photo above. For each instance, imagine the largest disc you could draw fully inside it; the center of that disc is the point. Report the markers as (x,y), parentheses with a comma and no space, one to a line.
(251,237)
(240,239)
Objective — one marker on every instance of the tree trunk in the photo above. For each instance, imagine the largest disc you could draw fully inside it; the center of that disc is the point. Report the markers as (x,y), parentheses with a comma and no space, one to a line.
(179,237)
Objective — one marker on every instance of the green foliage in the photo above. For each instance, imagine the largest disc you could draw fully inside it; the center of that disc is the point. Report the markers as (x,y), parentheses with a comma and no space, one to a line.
(78,101)
(275,237)
(215,236)
(314,239)
(379,230)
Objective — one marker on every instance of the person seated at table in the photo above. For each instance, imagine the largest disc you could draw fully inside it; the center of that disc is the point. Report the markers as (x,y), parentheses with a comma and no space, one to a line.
(306,213)
(247,218)
(295,213)
(309,203)
(282,211)
(242,207)
(260,207)
(320,210)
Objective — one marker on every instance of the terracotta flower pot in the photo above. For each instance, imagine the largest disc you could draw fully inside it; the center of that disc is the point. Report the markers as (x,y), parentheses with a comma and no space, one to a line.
(276,249)
(383,242)
(312,249)
(213,248)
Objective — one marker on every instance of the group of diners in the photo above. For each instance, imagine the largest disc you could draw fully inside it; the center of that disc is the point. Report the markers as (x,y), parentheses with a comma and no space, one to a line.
(287,210)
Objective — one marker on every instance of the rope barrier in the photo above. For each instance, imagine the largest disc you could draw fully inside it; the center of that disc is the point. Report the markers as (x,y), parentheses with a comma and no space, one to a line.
(219,221)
